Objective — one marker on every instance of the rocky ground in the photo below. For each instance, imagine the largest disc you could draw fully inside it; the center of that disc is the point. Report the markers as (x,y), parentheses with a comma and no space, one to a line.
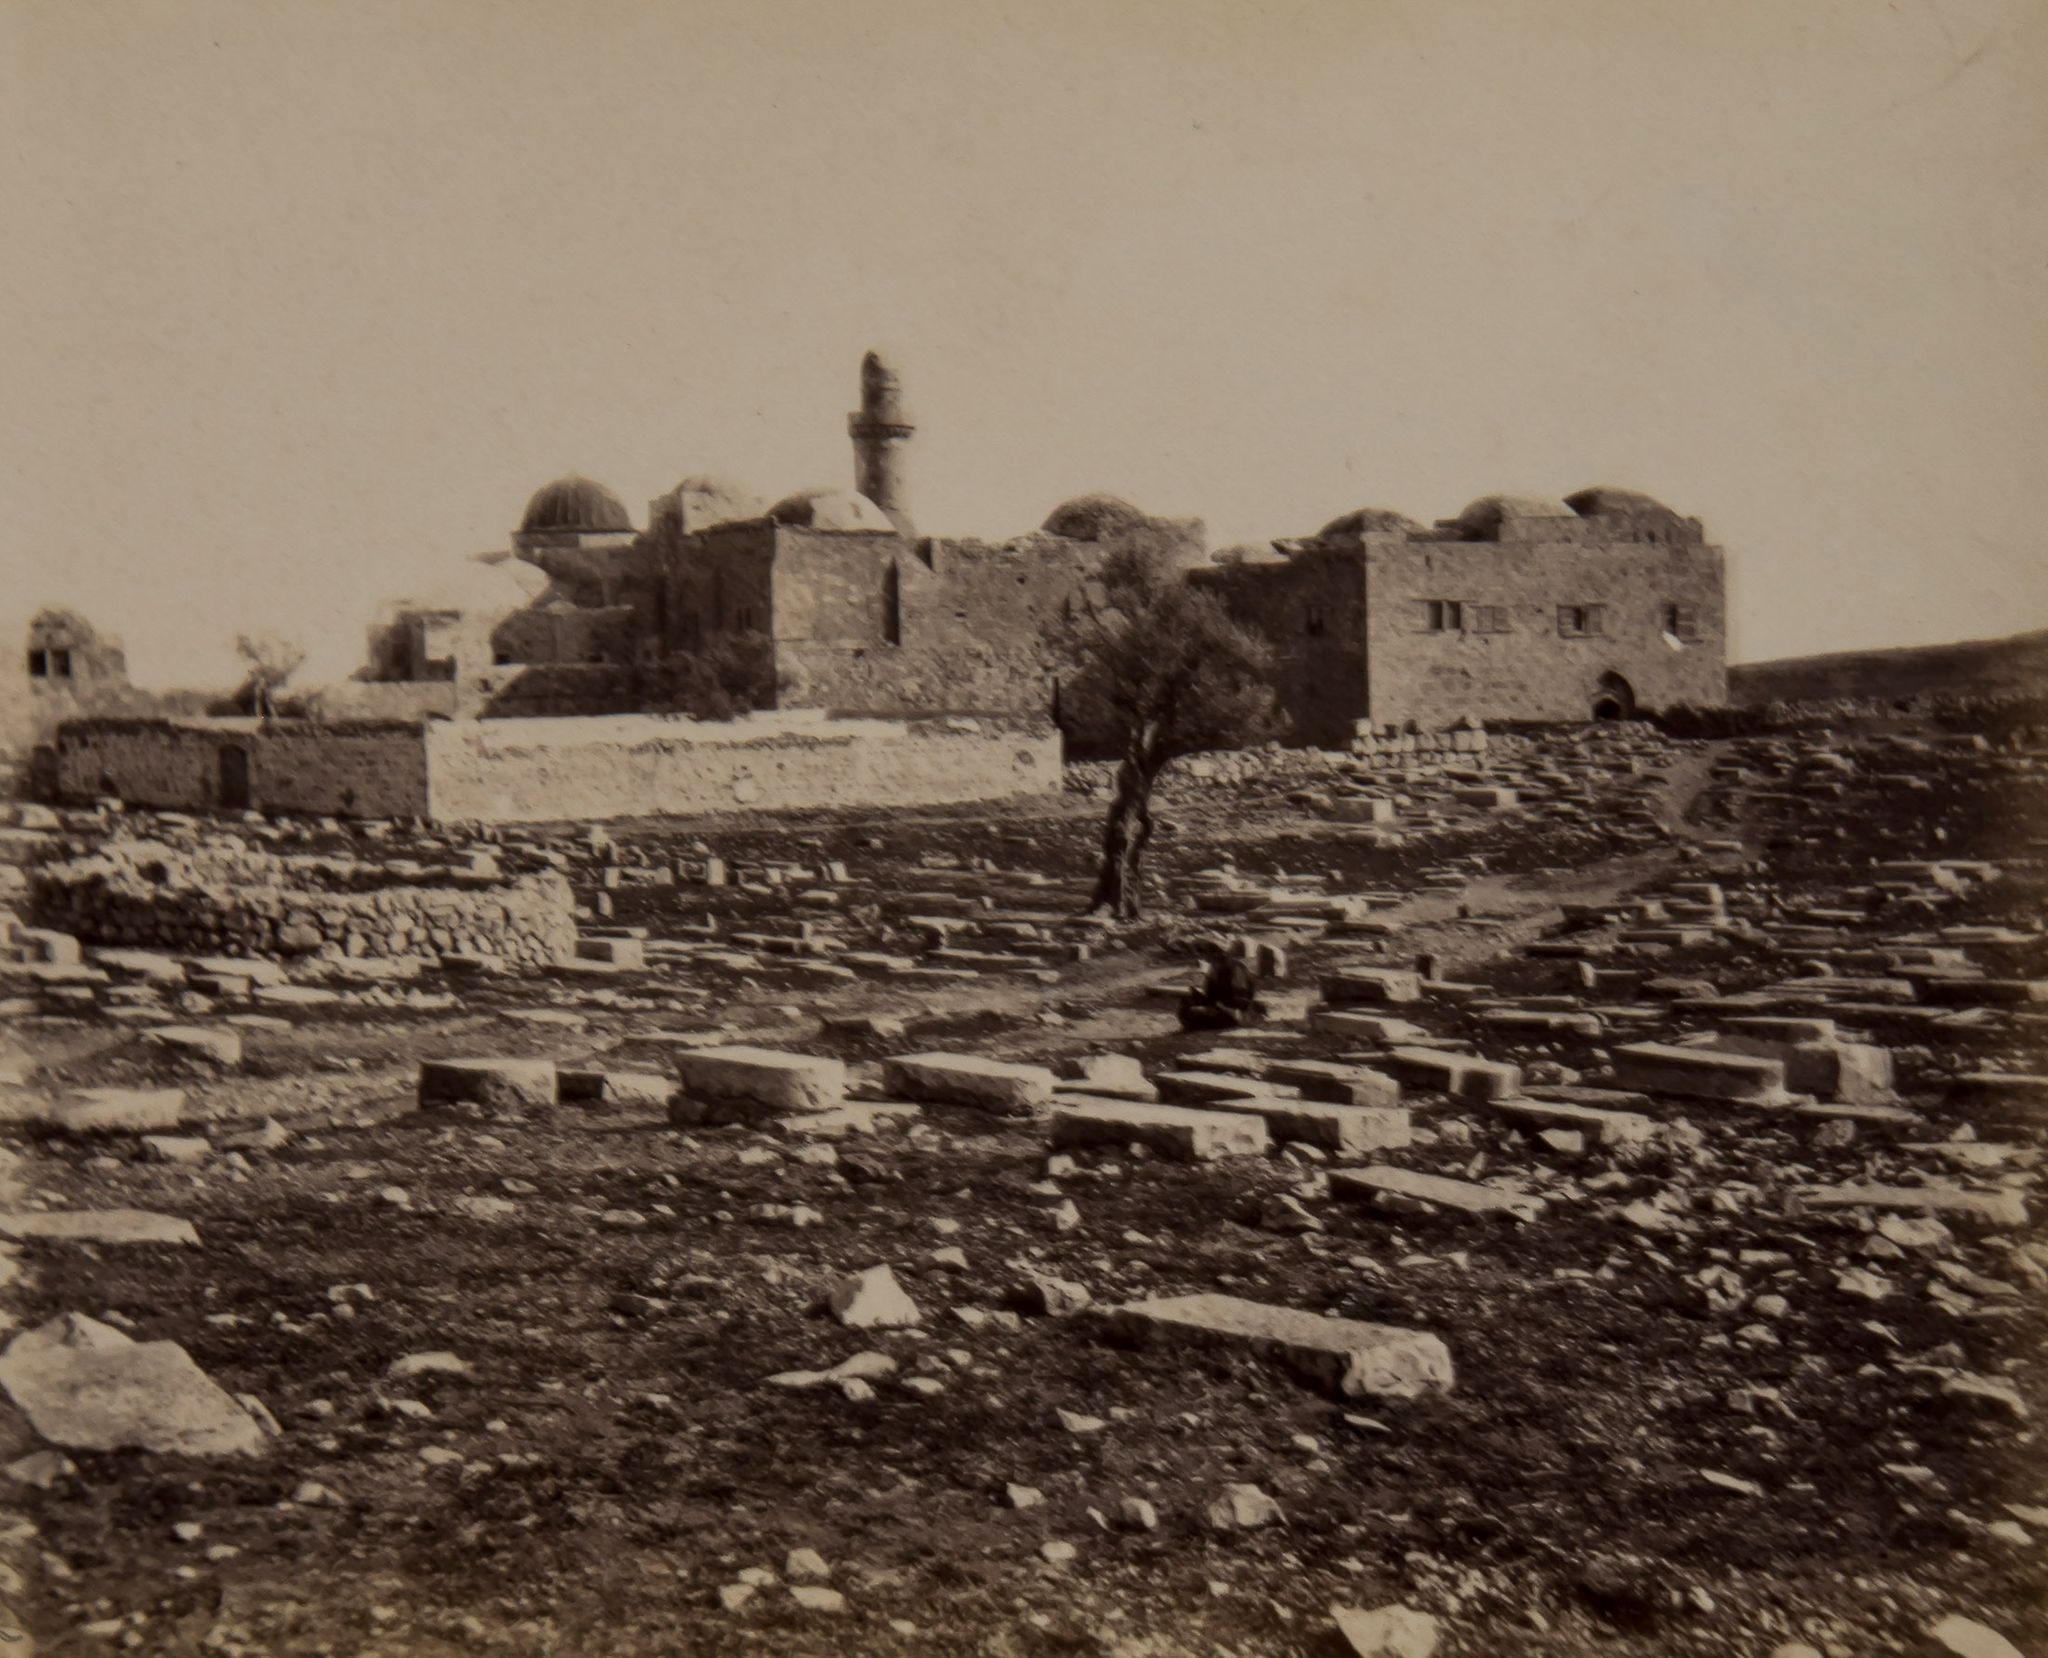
(1740,1359)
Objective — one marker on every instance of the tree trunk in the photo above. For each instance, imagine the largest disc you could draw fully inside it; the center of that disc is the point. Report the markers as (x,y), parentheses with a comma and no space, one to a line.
(1124,837)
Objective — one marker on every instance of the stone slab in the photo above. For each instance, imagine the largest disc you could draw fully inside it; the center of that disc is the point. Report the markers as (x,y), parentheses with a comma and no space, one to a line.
(1700,1073)
(1609,1128)
(743,1081)
(1180,1133)
(1459,1075)
(2000,1208)
(1346,1357)
(1468,1197)
(99,1226)
(1343,1129)
(490,1082)
(88,1387)
(991,1085)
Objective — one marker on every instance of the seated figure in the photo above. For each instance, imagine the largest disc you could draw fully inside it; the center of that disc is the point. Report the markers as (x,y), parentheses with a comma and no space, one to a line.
(1227,996)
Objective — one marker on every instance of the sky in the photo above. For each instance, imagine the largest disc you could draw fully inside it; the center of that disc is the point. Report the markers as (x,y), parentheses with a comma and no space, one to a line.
(304,299)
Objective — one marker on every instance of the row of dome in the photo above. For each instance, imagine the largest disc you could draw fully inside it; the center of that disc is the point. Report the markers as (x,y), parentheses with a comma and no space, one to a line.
(581,506)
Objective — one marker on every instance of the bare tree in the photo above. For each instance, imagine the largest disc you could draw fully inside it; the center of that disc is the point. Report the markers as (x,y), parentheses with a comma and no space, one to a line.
(1158,669)
(270,660)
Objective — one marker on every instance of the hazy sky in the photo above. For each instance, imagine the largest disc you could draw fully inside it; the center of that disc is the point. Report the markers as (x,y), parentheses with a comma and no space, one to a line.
(304,299)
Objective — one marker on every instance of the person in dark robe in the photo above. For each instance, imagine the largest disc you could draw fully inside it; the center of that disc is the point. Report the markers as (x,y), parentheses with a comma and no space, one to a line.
(1227,996)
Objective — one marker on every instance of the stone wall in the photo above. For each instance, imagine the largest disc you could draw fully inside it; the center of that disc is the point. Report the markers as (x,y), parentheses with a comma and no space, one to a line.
(1311,613)
(501,771)
(253,904)
(1530,670)
(347,770)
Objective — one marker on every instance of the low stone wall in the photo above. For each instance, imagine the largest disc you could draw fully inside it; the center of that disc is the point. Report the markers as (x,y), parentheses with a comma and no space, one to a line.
(509,771)
(540,770)
(368,769)
(254,904)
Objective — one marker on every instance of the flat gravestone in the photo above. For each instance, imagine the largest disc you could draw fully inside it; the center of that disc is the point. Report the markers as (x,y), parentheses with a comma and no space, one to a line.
(1181,1133)
(1344,1356)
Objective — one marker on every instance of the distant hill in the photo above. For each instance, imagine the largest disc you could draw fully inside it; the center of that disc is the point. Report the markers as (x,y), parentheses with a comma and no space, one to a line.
(1975,666)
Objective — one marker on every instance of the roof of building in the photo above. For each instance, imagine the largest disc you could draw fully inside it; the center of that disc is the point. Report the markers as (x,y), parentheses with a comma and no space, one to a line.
(1249,552)
(1604,501)
(702,502)
(1368,521)
(831,509)
(1481,521)
(575,505)
(1093,517)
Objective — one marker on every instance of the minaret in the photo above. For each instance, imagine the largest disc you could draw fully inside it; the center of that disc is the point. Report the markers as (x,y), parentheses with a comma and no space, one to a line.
(882,431)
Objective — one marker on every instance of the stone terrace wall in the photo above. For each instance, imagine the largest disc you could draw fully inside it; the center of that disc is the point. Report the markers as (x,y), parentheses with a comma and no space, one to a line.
(144,893)
(344,770)
(508,771)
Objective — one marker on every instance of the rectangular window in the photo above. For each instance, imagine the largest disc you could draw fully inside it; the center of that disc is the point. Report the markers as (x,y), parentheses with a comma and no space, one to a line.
(1443,616)
(1312,622)
(743,618)
(38,664)
(60,664)
(1681,621)
(1581,621)
(1489,618)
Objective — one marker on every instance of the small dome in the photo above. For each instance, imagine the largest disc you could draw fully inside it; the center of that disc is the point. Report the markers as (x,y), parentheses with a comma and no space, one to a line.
(1249,552)
(1368,521)
(703,503)
(575,506)
(1093,518)
(1601,501)
(831,509)
(1482,520)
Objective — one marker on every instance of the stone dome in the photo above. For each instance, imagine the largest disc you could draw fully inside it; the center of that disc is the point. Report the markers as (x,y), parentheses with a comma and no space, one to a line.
(1482,520)
(1093,518)
(831,509)
(1604,501)
(575,506)
(1368,521)
(701,503)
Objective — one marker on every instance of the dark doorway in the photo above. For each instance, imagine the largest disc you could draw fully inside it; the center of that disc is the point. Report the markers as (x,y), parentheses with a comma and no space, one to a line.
(1614,699)
(234,779)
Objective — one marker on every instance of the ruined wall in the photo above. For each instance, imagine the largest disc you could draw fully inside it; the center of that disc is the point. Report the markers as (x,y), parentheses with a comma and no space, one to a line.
(649,765)
(143,893)
(1311,612)
(366,770)
(1529,670)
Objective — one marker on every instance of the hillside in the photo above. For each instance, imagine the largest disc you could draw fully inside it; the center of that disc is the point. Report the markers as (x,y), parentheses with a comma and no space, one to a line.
(1997,666)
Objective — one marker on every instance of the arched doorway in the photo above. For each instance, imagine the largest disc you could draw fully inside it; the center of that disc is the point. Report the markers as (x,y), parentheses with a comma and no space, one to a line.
(1614,698)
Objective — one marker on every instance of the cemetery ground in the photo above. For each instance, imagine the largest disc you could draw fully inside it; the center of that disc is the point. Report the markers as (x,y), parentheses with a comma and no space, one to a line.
(1670,1228)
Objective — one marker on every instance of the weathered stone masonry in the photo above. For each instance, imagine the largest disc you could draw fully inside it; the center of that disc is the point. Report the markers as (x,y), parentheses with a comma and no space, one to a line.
(496,771)
(255,904)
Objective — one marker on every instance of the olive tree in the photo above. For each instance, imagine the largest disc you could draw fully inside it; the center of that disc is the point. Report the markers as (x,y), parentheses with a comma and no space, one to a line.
(1155,668)
(268,661)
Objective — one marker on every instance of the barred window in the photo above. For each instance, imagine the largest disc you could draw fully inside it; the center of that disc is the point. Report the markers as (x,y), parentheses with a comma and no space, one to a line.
(1489,618)
(1581,621)
(1681,621)
(1443,616)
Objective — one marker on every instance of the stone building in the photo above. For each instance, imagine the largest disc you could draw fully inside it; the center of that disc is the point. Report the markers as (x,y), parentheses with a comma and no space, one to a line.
(1517,609)
(860,614)
(67,668)
(1595,607)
